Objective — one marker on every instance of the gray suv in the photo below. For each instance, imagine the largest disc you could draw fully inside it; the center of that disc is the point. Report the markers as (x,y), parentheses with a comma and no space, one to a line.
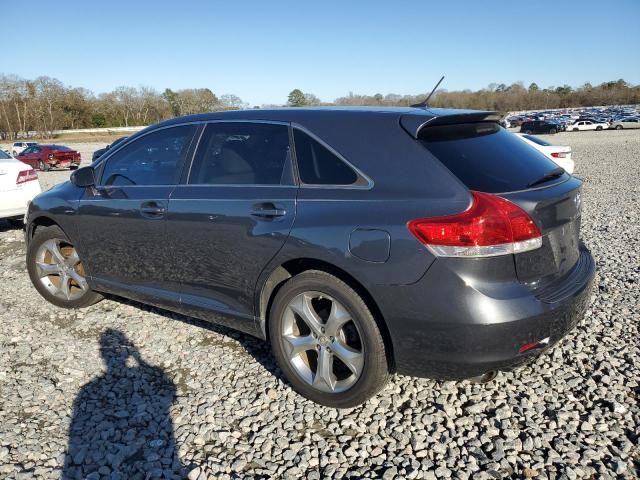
(357,241)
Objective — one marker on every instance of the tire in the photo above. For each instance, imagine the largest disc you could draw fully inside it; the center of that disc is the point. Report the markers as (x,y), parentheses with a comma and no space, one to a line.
(598,129)
(48,250)
(358,340)
(43,167)
(15,154)
(576,130)
(553,131)
(619,127)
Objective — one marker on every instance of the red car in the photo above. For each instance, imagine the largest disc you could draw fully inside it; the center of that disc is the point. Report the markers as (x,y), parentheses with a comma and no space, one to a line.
(44,157)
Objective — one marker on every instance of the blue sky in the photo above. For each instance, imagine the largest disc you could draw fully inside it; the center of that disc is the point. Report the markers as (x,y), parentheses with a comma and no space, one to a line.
(260,51)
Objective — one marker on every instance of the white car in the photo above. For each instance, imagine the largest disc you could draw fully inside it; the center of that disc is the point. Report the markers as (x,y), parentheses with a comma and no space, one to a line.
(587,125)
(18,185)
(18,147)
(558,154)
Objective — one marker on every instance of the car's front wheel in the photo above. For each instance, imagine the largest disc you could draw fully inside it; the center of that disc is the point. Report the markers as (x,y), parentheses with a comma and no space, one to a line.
(598,128)
(57,271)
(326,340)
(618,127)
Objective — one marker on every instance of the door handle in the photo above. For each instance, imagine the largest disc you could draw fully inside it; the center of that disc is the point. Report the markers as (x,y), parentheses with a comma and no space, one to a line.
(267,210)
(152,210)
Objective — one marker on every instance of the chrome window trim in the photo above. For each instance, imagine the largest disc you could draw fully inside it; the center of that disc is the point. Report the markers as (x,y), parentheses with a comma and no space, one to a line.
(354,186)
(219,185)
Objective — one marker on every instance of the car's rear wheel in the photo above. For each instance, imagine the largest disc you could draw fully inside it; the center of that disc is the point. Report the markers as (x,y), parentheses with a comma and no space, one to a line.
(326,340)
(598,128)
(43,167)
(553,131)
(618,127)
(575,130)
(15,154)
(57,271)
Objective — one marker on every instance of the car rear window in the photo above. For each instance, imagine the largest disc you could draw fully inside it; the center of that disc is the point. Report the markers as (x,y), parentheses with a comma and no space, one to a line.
(61,148)
(485,157)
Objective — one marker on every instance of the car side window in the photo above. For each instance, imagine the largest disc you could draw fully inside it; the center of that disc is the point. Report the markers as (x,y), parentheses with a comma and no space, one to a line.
(154,159)
(317,165)
(243,153)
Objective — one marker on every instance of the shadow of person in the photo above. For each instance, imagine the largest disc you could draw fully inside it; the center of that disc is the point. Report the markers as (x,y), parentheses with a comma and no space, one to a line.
(121,428)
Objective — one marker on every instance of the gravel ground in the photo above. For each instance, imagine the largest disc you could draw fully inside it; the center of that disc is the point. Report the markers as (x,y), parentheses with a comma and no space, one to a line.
(121,388)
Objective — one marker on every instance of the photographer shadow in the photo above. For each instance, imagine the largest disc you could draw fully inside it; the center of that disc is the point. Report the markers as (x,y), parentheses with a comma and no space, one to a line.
(121,427)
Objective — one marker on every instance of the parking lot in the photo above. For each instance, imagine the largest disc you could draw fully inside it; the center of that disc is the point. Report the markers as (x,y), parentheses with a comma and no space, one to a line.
(216,406)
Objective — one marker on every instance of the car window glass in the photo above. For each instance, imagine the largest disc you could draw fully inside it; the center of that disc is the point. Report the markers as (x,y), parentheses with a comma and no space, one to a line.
(485,157)
(154,159)
(317,165)
(4,155)
(242,153)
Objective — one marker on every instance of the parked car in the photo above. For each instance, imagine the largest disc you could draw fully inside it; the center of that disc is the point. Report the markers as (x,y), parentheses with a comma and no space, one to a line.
(539,126)
(557,154)
(18,147)
(101,151)
(45,157)
(587,125)
(18,185)
(442,247)
(626,123)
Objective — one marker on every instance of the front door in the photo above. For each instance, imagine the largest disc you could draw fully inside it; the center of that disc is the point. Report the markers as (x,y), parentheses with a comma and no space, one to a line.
(232,215)
(123,229)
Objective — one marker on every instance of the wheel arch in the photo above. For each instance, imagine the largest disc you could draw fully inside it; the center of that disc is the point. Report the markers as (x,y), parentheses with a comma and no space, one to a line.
(283,272)
(41,221)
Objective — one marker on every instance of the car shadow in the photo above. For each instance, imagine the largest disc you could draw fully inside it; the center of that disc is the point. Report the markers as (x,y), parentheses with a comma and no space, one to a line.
(120,426)
(257,348)
(6,225)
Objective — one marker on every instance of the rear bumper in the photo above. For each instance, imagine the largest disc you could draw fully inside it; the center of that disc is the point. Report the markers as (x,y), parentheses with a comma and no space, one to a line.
(451,327)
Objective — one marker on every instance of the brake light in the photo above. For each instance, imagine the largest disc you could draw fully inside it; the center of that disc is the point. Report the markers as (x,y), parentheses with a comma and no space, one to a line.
(26,176)
(559,154)
(490,226)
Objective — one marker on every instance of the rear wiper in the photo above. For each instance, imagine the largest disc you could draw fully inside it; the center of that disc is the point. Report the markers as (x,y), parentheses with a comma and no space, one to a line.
(555,173)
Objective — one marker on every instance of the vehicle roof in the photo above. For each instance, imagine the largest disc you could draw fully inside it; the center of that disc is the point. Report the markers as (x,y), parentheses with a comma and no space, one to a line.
(291,114)
(412,119)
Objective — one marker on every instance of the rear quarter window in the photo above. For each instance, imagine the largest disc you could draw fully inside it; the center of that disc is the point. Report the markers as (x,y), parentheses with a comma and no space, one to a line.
(485,157)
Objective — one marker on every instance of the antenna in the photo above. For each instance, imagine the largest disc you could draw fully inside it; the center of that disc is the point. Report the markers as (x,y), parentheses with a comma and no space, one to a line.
(425,103)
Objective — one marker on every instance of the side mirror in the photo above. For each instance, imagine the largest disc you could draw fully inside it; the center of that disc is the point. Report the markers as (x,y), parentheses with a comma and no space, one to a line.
(83,177)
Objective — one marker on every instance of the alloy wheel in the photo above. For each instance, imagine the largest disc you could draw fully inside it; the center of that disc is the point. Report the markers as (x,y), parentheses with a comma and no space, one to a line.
(322,342)
(60,269)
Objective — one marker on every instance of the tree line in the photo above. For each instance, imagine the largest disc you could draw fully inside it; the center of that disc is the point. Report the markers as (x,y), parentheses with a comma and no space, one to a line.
(45,104)
(500,97)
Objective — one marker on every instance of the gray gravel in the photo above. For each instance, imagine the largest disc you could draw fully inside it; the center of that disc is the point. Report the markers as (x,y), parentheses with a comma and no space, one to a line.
(121,390)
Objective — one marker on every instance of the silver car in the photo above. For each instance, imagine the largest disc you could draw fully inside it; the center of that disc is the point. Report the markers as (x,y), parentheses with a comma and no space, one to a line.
(626,123)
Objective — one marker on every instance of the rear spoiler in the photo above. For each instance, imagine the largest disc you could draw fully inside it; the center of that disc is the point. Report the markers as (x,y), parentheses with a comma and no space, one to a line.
(414,123)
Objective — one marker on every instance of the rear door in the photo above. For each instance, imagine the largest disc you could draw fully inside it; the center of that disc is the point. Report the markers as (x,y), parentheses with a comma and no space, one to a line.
(230,217)
(123,232)
(30,156)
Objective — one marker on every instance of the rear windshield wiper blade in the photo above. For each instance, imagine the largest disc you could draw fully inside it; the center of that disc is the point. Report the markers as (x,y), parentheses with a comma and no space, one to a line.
(555,173)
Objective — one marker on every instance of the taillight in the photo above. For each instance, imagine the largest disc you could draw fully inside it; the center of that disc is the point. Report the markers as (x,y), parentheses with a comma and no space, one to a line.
(26,176)
(559,154)
(490,226)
